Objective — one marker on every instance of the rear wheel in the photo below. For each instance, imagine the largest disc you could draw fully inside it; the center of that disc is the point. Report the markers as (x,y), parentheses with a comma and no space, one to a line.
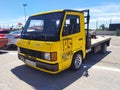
(104,49)
(77,61)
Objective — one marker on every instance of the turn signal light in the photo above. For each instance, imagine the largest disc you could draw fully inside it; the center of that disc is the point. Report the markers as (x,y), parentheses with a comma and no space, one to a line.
(53,56)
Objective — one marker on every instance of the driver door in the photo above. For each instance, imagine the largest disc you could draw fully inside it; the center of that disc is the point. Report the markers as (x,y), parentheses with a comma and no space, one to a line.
(71,36)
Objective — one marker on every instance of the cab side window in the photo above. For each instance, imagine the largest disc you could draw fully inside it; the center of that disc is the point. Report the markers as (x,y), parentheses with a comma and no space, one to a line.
(71,25)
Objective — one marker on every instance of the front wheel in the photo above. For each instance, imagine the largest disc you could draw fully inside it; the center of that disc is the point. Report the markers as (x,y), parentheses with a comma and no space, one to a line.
(77,61)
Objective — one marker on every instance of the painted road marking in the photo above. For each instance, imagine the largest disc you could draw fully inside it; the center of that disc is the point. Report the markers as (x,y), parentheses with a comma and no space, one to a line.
(102,67)
(106,68)
(12,53)
(9,52)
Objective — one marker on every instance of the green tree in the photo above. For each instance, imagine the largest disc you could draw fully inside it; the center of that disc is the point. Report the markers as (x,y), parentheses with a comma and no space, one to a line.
(102,27)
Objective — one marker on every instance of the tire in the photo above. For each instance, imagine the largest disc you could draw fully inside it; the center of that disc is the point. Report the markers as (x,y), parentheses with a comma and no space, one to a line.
(104,49)
(77,61)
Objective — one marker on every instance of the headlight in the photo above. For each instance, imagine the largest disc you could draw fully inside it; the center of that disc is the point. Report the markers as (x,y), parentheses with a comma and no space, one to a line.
(47,56)
(50,56)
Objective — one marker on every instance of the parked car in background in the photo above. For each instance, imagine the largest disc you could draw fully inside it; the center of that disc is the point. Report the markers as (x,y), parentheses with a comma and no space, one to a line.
(3,33)
(3,42)
(13,37)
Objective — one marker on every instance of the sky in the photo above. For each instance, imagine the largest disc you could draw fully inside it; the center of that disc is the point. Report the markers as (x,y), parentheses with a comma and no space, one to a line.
(101,11)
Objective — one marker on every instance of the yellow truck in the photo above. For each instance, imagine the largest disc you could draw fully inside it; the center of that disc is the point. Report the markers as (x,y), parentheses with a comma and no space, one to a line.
(57,40)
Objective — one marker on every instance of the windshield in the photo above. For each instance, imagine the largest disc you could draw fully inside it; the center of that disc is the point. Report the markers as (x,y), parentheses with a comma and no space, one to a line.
(44,27)
(16,32)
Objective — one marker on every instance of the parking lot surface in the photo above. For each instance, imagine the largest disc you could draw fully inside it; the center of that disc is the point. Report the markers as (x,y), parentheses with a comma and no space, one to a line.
(99,72)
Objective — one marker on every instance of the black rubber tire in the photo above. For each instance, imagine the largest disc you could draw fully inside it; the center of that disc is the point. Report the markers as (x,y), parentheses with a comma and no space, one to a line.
(76,61)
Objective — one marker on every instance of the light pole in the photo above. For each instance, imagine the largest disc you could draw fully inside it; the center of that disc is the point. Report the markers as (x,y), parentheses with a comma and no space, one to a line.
(24,5)
(96,24)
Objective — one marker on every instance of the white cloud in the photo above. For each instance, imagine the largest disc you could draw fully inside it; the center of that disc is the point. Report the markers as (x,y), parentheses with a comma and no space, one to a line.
(104,14)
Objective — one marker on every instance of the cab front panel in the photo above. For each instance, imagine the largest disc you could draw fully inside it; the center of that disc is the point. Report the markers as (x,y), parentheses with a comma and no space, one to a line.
(36,53)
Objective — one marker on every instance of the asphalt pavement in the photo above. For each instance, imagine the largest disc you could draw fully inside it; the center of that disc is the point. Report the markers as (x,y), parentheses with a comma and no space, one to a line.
(99,72)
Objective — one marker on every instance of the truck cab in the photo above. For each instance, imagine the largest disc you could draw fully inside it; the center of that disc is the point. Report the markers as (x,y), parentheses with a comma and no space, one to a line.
(54,41)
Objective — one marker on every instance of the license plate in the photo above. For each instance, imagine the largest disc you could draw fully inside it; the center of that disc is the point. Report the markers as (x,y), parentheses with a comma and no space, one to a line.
(30,62)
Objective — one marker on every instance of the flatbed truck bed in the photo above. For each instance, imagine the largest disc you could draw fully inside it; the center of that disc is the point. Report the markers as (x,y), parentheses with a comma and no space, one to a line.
(98,43)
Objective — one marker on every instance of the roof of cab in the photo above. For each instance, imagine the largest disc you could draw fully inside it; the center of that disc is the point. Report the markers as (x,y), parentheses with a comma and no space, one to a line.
(54,11)
(48,12)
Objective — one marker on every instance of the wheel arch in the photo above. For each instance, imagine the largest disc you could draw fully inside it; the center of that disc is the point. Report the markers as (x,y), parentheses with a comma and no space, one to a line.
(72,66)
(80,51)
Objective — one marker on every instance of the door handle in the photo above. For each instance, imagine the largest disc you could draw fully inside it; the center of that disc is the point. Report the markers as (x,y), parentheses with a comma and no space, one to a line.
(80,39)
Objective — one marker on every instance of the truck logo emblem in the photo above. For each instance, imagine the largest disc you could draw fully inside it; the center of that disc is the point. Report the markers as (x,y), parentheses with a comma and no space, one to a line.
(37,44)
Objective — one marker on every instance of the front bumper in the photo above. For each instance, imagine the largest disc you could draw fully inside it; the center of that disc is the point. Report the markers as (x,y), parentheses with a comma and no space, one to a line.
(38,64)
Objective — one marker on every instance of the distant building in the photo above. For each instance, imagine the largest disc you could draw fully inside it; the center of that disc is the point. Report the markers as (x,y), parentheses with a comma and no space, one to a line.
(113,27)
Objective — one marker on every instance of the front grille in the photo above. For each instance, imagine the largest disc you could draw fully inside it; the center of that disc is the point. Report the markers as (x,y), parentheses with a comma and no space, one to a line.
(33,53)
